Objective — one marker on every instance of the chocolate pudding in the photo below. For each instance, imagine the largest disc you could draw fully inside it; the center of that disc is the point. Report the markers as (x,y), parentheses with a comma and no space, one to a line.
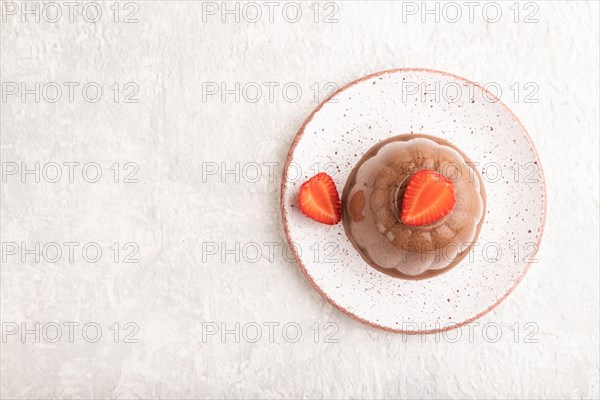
(372,205)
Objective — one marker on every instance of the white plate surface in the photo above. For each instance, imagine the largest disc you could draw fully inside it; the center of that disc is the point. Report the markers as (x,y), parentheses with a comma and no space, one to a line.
(402,101)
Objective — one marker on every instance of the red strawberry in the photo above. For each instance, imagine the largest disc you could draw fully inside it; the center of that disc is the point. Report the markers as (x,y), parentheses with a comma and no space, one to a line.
(319,200)
(428,197)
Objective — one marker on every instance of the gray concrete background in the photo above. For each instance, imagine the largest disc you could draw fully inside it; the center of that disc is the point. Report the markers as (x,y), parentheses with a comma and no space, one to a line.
(186,266)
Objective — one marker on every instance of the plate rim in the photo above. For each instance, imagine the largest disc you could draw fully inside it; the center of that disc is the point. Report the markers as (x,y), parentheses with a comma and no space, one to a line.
(298,260)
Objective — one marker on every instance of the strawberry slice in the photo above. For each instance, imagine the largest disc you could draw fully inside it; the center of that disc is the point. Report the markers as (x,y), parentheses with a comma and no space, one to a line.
(319,200)
(429,196)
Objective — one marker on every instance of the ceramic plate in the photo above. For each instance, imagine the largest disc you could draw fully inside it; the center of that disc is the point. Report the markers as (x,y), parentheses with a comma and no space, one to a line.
(405,101)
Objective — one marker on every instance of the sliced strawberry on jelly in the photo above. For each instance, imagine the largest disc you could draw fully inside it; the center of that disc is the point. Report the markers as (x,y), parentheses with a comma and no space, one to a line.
(429,197)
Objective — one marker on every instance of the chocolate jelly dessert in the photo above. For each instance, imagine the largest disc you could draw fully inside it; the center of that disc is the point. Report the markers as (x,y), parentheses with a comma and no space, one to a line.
(384,220)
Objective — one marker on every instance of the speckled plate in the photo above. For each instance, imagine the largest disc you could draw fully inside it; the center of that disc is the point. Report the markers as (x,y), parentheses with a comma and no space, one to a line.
(341,129)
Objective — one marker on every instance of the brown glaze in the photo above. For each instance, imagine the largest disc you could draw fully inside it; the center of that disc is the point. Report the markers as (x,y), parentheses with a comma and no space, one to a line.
(372,203)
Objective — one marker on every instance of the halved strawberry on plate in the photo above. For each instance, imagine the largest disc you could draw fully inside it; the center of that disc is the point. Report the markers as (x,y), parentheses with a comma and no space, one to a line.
(319,200)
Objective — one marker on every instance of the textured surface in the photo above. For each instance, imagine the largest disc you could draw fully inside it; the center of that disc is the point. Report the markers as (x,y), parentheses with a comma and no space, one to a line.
(184,211)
